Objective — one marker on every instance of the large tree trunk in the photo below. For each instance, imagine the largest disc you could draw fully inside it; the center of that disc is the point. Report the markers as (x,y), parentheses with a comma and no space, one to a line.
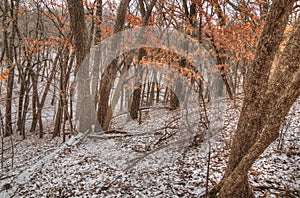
(78,27)
(267,100)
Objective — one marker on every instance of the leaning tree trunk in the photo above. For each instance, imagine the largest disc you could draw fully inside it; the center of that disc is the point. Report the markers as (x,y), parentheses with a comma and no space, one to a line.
(108,77)
(268,98)
(110,72)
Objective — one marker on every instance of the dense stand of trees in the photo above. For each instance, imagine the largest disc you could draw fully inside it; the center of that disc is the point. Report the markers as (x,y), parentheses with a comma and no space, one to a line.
(255,45)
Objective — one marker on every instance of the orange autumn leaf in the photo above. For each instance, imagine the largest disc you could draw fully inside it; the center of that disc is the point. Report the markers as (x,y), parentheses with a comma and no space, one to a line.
(4,75)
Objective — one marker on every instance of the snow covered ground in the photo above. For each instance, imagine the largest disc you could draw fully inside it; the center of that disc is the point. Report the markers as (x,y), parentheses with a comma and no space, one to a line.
(147,160)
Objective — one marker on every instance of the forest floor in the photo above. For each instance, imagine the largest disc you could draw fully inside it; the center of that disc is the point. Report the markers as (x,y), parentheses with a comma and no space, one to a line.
(151,159)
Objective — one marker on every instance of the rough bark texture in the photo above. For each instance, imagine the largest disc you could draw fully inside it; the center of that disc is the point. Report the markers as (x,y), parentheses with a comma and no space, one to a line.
(78,28)
(8,48)
(257,78)
(135,105)
(267,100)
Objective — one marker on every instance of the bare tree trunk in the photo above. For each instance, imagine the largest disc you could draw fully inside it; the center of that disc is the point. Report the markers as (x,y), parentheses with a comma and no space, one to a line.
(22,123)
(108,77)
(174,100)
(78,28)
(267,100)
(8,48)
(157,92)
(177,96)
(104,113)
(99,12)
(137,99)
(96,60)
(21,100)
(45,92)
(34,99)
(135,105)
(62,110)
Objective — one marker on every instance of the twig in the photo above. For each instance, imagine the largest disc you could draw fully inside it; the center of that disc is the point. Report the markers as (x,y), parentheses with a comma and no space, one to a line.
(131,134)
(138,159)
(6,177)
(289,191)
(207,172)
(105,187)
(145,108)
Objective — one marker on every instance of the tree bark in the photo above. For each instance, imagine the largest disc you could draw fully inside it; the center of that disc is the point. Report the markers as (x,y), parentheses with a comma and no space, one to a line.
(135,105)
(257,79)
(110,72)
(8,48)
(268,98)
(78,27)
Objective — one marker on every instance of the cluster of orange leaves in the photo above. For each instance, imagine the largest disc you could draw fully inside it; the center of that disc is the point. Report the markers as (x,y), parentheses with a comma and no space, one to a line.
(134,20)
(37,45)
(107,31)
(238,40)
(162,58)
(4,75)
